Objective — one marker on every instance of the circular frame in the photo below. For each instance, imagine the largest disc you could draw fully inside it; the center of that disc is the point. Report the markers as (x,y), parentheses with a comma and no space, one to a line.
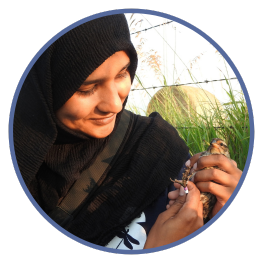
(149,12)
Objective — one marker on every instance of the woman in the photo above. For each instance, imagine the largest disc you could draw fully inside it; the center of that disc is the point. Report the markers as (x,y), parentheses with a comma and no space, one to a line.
(68,111)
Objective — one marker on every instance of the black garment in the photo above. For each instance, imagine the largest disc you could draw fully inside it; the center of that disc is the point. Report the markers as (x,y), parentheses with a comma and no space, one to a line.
(152,155)
(51,157)
(55,77)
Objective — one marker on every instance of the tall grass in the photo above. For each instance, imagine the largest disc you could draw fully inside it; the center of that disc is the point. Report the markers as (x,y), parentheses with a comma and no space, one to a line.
(229,121)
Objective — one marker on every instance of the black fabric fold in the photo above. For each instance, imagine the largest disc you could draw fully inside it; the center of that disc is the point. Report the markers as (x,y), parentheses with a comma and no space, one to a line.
(55,77)
(51,157)
(153,154)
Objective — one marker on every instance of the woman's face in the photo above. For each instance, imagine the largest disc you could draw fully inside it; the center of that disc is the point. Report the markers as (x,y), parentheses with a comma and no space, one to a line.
(93,107)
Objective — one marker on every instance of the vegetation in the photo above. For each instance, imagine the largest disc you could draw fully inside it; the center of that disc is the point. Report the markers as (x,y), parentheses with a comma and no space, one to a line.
(229,121)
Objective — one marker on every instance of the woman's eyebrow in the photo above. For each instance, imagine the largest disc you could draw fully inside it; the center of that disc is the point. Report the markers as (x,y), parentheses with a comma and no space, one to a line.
(126,66)
(88,82)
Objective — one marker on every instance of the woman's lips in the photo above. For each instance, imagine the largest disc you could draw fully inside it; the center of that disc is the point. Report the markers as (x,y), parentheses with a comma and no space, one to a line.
(103,121)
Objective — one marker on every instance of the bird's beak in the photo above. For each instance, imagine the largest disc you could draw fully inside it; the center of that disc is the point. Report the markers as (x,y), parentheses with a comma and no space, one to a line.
(215,145)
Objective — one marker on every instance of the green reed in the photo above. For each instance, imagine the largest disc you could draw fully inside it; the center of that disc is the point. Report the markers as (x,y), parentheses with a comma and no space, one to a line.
(229,121)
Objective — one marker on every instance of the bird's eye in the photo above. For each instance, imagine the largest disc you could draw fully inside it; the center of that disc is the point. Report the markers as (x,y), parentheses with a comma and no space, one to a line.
(221,144)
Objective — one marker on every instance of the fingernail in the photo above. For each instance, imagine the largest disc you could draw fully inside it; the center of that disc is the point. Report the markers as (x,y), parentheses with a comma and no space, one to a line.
(182,191)
(187,164)
(186,190)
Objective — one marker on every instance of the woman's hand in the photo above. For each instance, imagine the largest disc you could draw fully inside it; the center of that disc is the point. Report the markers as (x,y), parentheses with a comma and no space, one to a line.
(181,218)
(220,183)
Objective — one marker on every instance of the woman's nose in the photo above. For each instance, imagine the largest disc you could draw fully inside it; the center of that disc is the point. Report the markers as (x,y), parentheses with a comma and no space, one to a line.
(110,100)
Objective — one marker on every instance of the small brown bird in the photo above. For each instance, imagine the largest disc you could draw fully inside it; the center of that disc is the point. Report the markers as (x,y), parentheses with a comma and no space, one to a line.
(217,146)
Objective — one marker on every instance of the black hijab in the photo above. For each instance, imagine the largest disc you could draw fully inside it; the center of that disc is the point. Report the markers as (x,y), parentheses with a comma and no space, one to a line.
(51,157)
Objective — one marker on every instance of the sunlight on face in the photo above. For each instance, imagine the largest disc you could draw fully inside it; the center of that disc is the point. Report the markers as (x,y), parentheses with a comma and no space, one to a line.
(93,107)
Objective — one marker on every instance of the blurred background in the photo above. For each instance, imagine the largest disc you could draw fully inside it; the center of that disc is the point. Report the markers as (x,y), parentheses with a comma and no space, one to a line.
(171,53)
(184,78)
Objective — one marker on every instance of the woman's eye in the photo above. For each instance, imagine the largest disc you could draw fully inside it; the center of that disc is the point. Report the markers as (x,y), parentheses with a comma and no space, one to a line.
(91,91)
(123,74)
(87,92)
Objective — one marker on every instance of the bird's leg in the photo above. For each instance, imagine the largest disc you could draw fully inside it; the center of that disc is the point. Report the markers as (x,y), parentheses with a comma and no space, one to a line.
(191,176)
(177,181)
(184,181)
(183,184)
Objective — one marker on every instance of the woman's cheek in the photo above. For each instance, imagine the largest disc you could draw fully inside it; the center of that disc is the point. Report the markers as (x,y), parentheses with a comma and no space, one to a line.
(78,107)
(124,89)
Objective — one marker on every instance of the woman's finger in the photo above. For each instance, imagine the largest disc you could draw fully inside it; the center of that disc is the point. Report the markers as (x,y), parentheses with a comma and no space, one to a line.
(221,192)
(193,196)
(175,207)
(191,210)
(234,162)
(193,160)
(171,202)
(221,161)
(173,194)
(215,175)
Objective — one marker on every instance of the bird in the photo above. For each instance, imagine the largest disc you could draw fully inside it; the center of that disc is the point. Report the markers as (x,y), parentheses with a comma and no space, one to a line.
(217,146)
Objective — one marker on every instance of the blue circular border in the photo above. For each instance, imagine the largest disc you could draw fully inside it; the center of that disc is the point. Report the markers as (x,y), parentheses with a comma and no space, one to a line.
(149,12)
